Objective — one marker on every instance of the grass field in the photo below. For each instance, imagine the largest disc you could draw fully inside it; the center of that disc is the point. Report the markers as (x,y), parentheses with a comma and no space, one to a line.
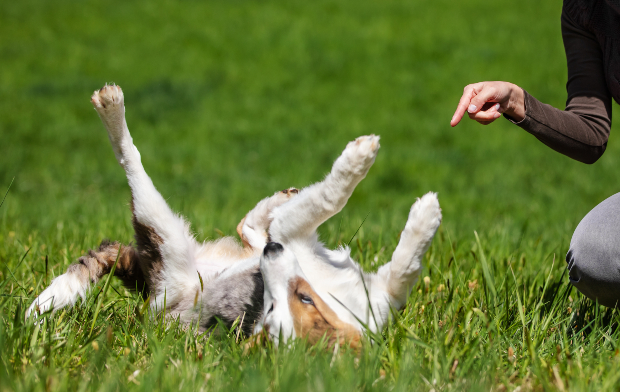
(229,101)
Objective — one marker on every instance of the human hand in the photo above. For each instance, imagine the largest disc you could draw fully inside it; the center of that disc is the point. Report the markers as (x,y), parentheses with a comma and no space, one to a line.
(486,101)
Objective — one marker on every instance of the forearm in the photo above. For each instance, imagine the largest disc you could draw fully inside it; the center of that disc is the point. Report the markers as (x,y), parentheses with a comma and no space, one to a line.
(580,132)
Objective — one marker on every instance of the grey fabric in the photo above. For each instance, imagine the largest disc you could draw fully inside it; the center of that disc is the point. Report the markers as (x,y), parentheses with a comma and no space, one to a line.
(594,255)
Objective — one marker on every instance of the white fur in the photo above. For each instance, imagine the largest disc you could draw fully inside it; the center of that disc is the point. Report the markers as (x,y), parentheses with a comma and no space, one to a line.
(63,291)
(276,271)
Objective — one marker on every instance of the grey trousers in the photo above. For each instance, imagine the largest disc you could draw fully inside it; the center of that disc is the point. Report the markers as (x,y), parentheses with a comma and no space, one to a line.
(594,255)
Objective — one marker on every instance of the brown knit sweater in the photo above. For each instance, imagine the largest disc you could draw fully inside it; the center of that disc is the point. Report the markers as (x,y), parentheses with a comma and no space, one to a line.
(591,34)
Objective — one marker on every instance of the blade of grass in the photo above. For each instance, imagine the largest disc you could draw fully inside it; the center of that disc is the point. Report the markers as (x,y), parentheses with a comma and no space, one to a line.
(485,269)
(7,192)
(358,229)
(11,272)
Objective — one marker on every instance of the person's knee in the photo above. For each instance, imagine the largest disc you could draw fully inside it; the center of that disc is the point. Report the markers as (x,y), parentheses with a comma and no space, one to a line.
(592,271)
(594,255)
(580,257)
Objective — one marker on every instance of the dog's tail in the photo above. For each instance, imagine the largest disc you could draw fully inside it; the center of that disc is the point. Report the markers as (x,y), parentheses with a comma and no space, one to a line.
(89,269)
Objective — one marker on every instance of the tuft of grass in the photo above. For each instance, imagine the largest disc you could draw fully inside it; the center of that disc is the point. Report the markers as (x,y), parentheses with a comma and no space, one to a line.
(537,333)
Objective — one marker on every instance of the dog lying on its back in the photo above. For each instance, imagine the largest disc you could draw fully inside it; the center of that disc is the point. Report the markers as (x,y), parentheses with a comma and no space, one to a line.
(282,279)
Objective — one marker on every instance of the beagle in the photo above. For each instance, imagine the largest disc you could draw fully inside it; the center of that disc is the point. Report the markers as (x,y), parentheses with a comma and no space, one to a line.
(282,280)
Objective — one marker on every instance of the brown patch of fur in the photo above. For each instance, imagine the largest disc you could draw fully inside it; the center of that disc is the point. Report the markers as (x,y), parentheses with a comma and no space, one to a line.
(318,320)
(99,263)
(150,260)
(149,255)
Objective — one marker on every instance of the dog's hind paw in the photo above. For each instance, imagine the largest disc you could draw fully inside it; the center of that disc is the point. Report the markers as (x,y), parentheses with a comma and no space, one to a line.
(110,105)
(360,154)
(107,97)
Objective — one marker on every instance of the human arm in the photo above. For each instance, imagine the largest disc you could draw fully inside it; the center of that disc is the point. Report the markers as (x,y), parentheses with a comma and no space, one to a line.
(582,129)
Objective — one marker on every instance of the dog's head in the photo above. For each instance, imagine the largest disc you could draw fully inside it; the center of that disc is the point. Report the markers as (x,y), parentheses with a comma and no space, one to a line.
(293,308)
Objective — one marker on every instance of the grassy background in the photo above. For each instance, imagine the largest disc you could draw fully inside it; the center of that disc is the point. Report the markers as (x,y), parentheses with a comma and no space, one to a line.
(229,101)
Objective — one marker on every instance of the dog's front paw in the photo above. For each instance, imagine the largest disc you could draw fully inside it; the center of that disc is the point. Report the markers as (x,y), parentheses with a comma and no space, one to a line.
(61,292)
(40,305)
(254,227)
(360,154)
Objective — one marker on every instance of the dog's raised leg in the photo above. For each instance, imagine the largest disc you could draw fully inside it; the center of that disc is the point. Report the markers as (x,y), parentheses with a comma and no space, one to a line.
(65,289)
(402,272)
(163,238)
(300,217)
(253,228)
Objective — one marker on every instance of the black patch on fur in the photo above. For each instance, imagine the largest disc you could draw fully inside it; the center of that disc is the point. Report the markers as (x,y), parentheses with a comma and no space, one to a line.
(149,256)
(128,267)
(238,296)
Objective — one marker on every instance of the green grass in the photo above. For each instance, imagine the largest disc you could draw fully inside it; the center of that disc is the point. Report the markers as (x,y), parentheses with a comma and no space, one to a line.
(229,101)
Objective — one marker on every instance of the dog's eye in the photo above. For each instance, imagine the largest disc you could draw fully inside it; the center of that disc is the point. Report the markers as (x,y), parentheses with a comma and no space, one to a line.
(306,300)
(270,309)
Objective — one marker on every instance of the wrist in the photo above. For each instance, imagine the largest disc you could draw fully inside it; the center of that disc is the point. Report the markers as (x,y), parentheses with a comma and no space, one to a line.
(516,103)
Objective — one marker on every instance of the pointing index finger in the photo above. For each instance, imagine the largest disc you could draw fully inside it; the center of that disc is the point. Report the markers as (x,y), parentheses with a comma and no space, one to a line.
(468,94)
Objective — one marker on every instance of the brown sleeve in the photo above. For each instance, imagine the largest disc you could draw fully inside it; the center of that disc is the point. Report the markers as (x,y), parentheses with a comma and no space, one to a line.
(581,131)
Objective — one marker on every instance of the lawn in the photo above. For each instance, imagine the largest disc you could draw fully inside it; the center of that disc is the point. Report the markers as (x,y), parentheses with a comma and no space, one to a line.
(229,101)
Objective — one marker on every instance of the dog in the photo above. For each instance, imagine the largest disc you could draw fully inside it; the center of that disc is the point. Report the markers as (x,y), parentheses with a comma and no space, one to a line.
(281,279)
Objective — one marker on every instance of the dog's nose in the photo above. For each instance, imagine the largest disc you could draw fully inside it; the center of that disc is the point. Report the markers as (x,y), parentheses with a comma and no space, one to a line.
(271,248)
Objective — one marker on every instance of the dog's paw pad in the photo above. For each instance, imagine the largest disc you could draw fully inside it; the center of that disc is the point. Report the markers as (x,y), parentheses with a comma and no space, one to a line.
(280,198)
(107,97)
(290,192)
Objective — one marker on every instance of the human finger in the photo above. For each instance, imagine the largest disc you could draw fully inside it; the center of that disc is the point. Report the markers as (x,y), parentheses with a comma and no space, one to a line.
(489,112)
(468,93)
(488,94)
